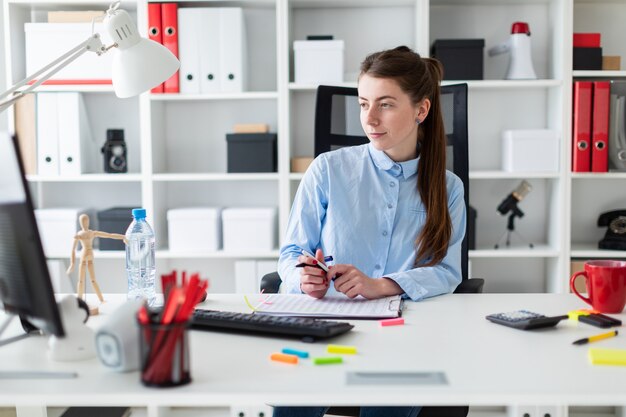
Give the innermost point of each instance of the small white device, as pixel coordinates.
(521, 63)
(117, 341)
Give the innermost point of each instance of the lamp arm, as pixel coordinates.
(93, 44)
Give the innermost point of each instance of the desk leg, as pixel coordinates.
(37, 411)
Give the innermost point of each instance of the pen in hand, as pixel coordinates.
(319, 264)
(595, 338)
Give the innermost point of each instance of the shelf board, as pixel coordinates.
(76, 88)
(101, 4)
(296, 176)
(246, 95)
(539, 251)
(167, 254)
(261, 176)
(480, 175)
(471, 84)
(87, 178)
(590, 250)
(599, 175)
(348, 3)
(598, 74)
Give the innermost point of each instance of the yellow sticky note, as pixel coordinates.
(600, 356)
(346, 350)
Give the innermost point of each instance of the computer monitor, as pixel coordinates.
(25, 285)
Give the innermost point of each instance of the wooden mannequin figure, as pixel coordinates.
(86, 237)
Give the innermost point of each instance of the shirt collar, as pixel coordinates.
(382, 161)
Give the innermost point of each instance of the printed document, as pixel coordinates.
(335, 306)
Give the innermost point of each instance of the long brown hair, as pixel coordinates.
(420, 78)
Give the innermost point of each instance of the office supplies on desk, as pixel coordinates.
(606, 281)
(524, 319)
(336, 306)
(278, 326)
(594, 319)
(327, 360)
(595, 338)
(345, 350)
(598, 356)
(298, 353)
(392, 322)
(284, 357)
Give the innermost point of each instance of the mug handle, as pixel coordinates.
(571, 285)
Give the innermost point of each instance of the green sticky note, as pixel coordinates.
(327, 360)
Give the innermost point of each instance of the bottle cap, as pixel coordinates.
(139, 213)
(520, 27)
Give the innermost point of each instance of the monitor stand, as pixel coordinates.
(77, 343)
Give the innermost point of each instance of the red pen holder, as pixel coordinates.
(164, 350)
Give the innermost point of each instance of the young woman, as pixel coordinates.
(389, 213)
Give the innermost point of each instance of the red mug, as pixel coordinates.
(606, 285)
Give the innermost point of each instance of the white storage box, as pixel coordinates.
(530, 150)
(318, 62)
(194, 229)
(57, 228)
(249, 229)
(45, 42)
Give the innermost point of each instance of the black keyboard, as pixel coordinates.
(308, 329)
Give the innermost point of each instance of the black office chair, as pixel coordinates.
(337, 124)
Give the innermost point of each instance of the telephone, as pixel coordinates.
(615, 236)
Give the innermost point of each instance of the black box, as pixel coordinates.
(462, 59)
(587, 58)
(251, 152)
(114, 220)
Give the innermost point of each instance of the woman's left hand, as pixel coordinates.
(352, 282)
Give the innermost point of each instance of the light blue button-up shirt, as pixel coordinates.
(361, 207)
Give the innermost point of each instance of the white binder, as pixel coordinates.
(47, 135)
(77, 151)
(232, 50)
(209, 49)
(189, 44)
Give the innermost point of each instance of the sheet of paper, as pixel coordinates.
(329, 306)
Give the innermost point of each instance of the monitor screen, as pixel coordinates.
(25, 285)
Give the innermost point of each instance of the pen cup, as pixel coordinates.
(164, 350)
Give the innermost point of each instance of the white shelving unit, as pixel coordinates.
(177, 147)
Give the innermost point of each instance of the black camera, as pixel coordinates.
(114, 151)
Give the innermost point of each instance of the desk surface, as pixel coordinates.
(484, 363)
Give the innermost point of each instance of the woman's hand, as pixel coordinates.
(313, 279)
(352, 282)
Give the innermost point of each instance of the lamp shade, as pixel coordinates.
(139, 64)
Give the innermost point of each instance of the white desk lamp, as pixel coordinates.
(138, 65)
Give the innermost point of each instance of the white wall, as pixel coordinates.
(3, 117)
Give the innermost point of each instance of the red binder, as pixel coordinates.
(600, 127)
(169, 20)
(154, 32)
(581, 140)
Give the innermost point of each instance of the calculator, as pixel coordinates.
(524, 319)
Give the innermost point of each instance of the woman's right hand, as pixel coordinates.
(313, 279)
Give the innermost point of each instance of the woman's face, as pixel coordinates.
(389, 118)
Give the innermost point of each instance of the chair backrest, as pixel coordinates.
(337, 124)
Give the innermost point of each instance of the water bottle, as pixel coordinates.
(140, 264)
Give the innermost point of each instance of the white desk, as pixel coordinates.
(484, 363)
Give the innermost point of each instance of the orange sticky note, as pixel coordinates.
(283, 357)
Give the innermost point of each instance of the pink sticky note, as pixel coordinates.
(392, 322)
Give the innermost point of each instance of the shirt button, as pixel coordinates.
(392, 184)
(389, 205)
(385, 233)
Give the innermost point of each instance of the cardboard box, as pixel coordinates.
(318, 62)
(462, 59)
(300, 164)
(530, 150)
(577, 266)
(57, 228)
(611, 63)
(45, 42)
(251, 152)
(114, 220)
(194, 229)
(248, 229)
